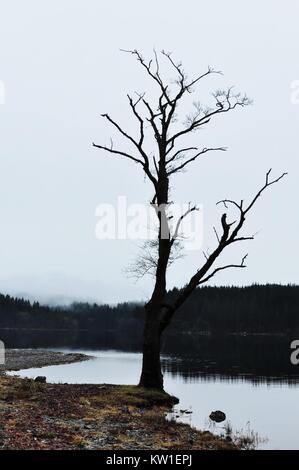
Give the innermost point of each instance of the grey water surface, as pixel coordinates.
(265, 406)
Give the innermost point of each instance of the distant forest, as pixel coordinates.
(252, 309)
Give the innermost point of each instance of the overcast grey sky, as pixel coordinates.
(61, 67)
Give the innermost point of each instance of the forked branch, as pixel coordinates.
(229, 235)
(179, 223)
(192, 159)
(228, 266)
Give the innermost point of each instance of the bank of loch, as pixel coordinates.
(37, 415)
(17, 359)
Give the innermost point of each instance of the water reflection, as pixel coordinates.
(266, 410)
(205, 373)
(257, 359)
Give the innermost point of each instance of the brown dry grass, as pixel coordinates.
(61, 416)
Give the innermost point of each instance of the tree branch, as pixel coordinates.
(178, 152)
(118, 152)
(223, 105)
(138, 145)
(244, 211)
(266, 185)
(141, 122)
(192, 159)
(228, 237)
(147, 67)
(241, 265)
(126, 135)
(179, 222)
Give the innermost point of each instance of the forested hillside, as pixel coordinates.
(253, 309)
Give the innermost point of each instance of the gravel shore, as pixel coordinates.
(17, 359)
(42, 416)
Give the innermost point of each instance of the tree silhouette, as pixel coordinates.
(170, 158)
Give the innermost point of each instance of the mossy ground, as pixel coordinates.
(63, 416)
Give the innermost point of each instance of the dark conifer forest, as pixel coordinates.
(271, 309)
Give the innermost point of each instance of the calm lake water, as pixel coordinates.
(258, 391)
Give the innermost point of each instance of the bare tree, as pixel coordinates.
(170, 158)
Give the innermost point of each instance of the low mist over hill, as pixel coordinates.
(252, 309)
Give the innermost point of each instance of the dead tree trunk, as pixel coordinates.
(151, 374)
(159, 167)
